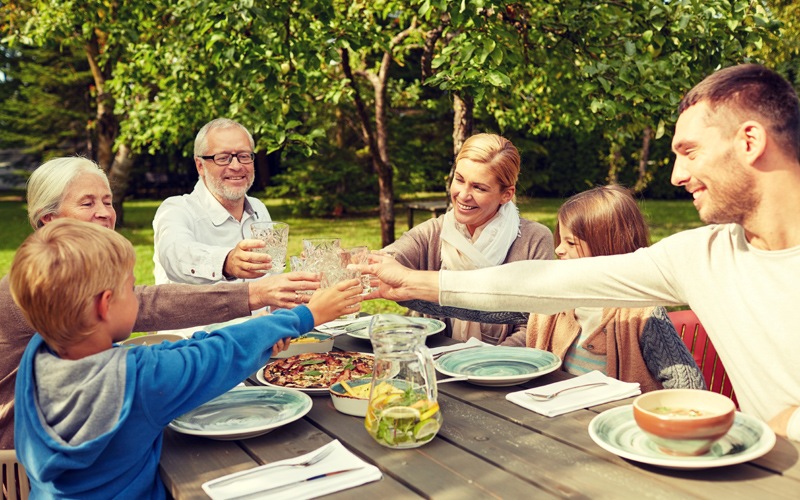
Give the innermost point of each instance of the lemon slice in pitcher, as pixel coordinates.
(400, 412)
(426, 429)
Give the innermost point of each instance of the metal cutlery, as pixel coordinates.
(440, 354)
(309, 461)
(548, 397)
(322, 455)
(276, 489)
(452, 379)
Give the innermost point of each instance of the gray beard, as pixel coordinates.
(218, 188)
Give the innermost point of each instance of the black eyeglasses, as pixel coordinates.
(223, 159)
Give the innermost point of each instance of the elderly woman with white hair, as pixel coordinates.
(77, 188)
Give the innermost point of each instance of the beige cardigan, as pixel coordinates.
(617, 338)
(421, 248)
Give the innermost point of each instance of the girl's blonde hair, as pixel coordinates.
(59, 271)
(49, 182)
(606, 218)
(497, 153)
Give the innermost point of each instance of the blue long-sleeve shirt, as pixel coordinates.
(92, 428)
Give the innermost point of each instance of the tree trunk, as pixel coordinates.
(463, 121)
(377, 139)
(614, 162)
(119, 177)
(261, 170)
(385, 202)
(644, 156)
(107, 129)
(383, 167)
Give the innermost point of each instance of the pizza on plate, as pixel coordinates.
(318, 370)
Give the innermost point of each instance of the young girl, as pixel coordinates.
(633, 345)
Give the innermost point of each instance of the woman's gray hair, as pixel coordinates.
(201, 141)
(48, 184)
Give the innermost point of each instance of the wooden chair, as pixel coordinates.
(15, 481)
(696, 339)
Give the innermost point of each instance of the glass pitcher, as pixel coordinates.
(403, 411)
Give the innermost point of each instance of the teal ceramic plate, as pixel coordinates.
(360, 329)
(497, 365)
(616, 431)
(243, 413)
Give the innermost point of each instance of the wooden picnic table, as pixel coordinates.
(487, 447)
(436, 208)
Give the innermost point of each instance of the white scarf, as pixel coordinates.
(459, 252)
(490, 248)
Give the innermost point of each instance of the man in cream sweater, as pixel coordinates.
(737, 144)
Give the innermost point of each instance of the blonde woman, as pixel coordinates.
(482, 229)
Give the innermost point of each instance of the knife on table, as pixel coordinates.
(276, 489)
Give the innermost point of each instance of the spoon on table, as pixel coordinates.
(548, 397)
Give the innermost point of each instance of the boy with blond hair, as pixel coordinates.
(89, 414)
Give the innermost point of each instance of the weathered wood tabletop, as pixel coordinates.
(487, 447)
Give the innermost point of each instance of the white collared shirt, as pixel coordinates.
(193, 234)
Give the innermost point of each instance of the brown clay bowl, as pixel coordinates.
(684, 422)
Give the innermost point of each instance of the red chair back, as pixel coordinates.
(696, 339)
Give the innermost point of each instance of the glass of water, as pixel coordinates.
(276, 237)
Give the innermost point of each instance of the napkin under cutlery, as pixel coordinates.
(579, 398)
(472, 342)
(338, 471)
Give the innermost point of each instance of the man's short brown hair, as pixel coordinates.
(751, 92)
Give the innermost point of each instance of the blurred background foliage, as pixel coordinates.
(336, 92)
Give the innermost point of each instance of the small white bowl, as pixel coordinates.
(324, 343)
(153, 339)
(348, 404)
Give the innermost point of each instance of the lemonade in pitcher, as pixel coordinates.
(403, 411)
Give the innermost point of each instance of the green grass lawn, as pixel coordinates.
(665, 218)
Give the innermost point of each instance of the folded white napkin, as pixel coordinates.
(279, 482)
(578, 398)
(472, 342)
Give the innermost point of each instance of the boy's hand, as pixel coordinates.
(327, 304)
(280, 346)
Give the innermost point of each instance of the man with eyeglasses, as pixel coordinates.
(204, 237)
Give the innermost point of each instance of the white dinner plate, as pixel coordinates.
(360, 329)
(616, 431)
(313, 391)
(498, 366)
(244, 412)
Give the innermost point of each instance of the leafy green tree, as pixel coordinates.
(270, 68)
(617, 66)
(101, 31)
(783, 51)
(45, 101)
